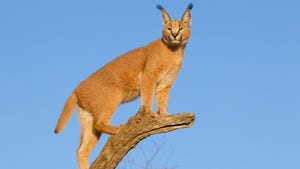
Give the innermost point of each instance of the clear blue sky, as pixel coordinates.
(240, 76)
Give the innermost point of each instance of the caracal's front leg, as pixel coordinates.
(147, 92)
(162, 96)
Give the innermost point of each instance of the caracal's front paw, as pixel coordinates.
(163, 113)
(153, 114)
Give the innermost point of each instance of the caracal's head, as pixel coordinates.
(176, 32)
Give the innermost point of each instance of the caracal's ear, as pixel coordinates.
(166, 16)
(187, 17)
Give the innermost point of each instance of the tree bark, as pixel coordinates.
(136, 129)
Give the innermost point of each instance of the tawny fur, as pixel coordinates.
(146, 71)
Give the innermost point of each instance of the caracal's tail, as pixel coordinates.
(66, 113)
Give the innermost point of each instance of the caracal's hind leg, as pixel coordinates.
(88, 140)
(104, 111)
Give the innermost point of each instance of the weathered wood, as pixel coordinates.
(136, 129)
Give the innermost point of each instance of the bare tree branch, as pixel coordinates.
(136, 129)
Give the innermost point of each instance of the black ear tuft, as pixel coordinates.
(160, 7)
(190, 6)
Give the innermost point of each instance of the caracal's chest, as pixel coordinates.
(170, 71)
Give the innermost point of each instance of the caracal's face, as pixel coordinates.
(176, 32)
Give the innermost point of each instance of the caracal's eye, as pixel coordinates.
(169, 29)
(180, 28)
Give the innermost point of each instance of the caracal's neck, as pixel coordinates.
(177, 50)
